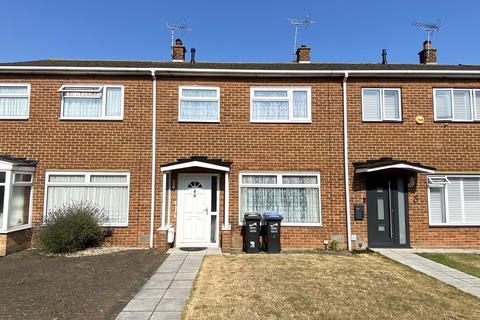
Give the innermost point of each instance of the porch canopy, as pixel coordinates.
(195, 162)
(383, 164)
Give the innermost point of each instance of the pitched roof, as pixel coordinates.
(314, 66)
(390, 163)
(18, 161)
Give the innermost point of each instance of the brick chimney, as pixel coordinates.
(178, 51)
(428, 55)
(303, 54)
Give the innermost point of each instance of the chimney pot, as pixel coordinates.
(192, 55)
(428, 55)
(384, 56)
(303, 54)
(178, 51)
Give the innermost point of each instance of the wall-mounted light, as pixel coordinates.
(412, 182)
(172, 186)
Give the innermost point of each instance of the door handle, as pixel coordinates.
(206, 210)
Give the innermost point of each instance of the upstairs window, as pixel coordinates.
(381, 105)
(14, 101)
(456, 104)
(92, 102)
(280, 105)
(199, 104)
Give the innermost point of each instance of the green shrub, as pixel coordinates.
(72, 228)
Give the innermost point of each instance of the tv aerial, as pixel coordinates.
(174, 27)
(430, 28)
(306, 21)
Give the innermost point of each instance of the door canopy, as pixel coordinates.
(197, 162)
(383, 164)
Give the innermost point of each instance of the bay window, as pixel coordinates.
(108, 191)
(280, 105)
(454, 200)
(294, 195)
(92, 102)
(14, 101)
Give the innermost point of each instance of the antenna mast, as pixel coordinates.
(430, 28)
(297, 23)
(173, 27)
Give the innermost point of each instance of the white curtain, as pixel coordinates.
(66, 178)
(82, 107)
(114, 102)
(270, 110)
(300, 104)
(477, 105)
(13, 90)
(391, 107)
(270, 93)
(462, 105)
(113, 200)
(108, 179)
(443, 104)
(297, 205)
(13, 106)
(199, 110)
(371, 105)
(19, 206)
(299, 180)
(259, 179)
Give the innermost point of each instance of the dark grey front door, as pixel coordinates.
(387, 211)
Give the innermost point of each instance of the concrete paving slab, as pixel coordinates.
(170, 305)
(186, 276)
(177, 293)
(147, 293)
(166, 315)
(146, 304)
(185, 284)
(127, 315)
(155, 283)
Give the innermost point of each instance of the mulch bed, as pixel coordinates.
(33, 286)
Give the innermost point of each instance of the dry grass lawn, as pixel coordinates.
(319, 286)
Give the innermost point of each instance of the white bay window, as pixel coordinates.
(107, 191)
(280, 105)
(294, 195)
(92, 102)
(454, 200)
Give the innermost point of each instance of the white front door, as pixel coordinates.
(193, 223)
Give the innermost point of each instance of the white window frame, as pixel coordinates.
(473, 101)
(182, 98)
(87, 183)
(9, 184)
(382, 106)
(444, 185)
(93, 89)
(288, 98)
(17, 95)
(280, 184)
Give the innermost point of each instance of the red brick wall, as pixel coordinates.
(447, 147)
(87, 145)
(264, 147)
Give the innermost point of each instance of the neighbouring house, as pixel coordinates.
(177, 152)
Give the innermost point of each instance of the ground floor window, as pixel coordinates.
(454, 200)
(295, 196)
(109, 191)
(15, 199)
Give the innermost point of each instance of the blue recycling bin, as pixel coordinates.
(271, 236)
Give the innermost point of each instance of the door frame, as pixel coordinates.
(179, 211)
(395, 216)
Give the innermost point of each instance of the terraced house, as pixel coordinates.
(175, 153)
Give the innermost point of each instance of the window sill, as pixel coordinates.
(456, 121)
(382, 121)
(115, 225)
(19, 228)
(450, 225)
(283, 122)
(14, 118)
(90, 119)
(198, 121)
(292, 224)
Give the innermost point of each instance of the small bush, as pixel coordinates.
(72, 228)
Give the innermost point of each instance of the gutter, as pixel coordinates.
(154, 154)
(237, 72)
(345, 161)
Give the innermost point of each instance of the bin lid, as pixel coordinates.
(252, 216)
(271, 215)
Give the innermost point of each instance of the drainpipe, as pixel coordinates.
(345, 159)
(154, 151)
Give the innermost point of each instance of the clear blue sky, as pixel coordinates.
(240, 31)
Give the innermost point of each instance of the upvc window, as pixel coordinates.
(199, 104)
(92, 102)
(454, 200)
(294, 195)
(14, 101)
(109, 191)
(15, 200)
(381, 104)
(457, 104)
(280, 105)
